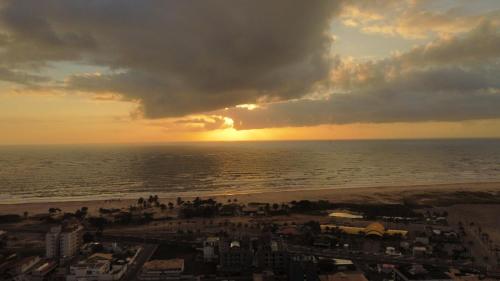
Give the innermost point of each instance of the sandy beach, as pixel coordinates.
(379, 194)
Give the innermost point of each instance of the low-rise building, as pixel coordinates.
(19, 270)
(417, 272)
(164, 270)
(374, 230)
(97, 267)
(344, 276)
(43, 270)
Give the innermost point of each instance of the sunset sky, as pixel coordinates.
(106, 71)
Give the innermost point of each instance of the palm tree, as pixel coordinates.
(140, 201)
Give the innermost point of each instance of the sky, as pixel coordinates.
(123, 71)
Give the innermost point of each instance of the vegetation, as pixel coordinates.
(10, 218)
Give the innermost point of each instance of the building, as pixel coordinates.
(97, 267)
(211, 249)
(52, 242)
(332, 265)
(235, 256)
(254, 209)
(420, 251)
(63, 242)
(417, 272)
(163, 270)
(43, 270)
(70, 241)
(391, 251)
(372, 230)
(303, 268)
(24, 265)
(272, 255)
(344, 276)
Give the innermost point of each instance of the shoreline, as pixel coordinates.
(375, 194)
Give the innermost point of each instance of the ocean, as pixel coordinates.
(74, 172)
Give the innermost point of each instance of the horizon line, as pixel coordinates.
(248, 141)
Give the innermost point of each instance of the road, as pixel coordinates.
(371, 257)
(145, 254)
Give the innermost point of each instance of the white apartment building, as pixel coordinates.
(52, 242)
(63, 243)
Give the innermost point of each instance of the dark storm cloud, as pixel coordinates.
(420, 96)
(450, 80)
(178, 57)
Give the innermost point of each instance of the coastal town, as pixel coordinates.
(205, 239)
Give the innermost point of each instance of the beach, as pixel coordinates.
(420, 194)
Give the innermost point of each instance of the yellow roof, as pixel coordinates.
(372, 229)
(375, 229)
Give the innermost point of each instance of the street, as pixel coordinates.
(145, 254)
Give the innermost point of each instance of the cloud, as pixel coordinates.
(195, 123)
(188, 58)
(20, 77)
(448, 80)
(177, 57)
(412, 19)
(479, 45)
(207, 122)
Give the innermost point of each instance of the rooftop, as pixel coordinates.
(172, 264)
(343, 276)
(420, 272)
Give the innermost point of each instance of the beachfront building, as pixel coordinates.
(70, 242)
(63, 242)
(52, 242)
